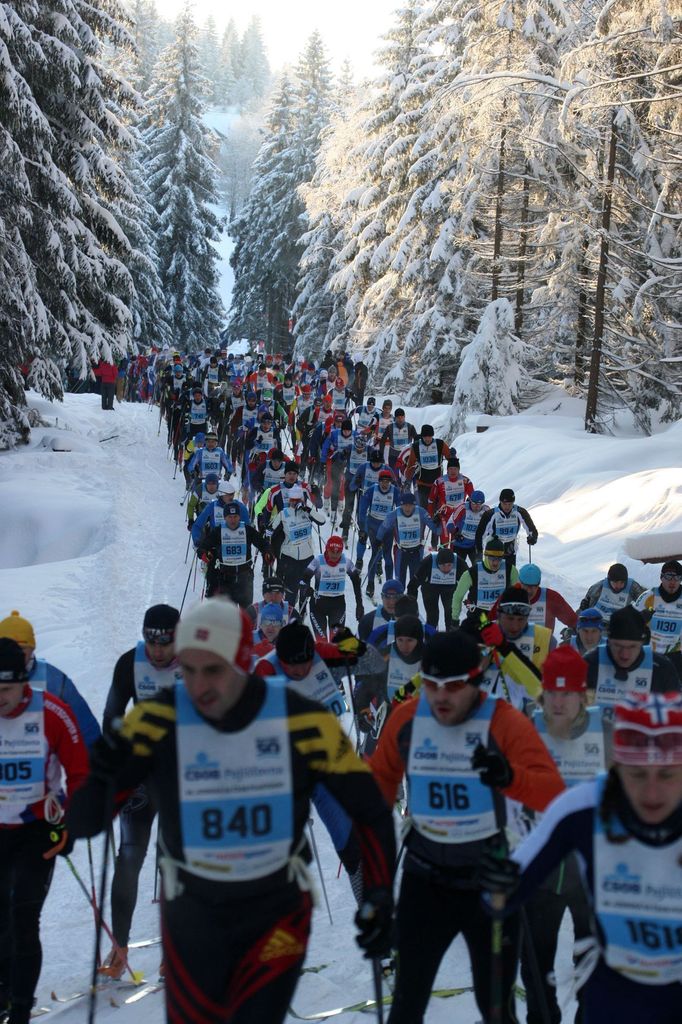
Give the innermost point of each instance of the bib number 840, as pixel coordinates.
(245, 821)
(448, 796)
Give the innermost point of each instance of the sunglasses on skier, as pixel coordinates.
(514, 608)
(451, 684)
(158, 636)
(670, 576)
(644, 747)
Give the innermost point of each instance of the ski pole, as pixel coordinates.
(188, 540)
(535, 971)
(378, 991)
(497, 901)
(156, 876)
(319, 868)
(93, 889)
(189, 576)
(530, 559)
(101, 923)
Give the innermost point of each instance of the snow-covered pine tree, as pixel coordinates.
(147, 33)
(77, 247)
(268, 231)
(318, 310)
(256, 279)
(181, 176)
(254, 70)
(632, 110)
(209, 58)
(490, 375)
(363, 271)
(228, 64)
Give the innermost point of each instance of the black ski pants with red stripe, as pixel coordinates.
(234, 962)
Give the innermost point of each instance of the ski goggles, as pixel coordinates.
(515, 608)
(671, 576)
(163, 637)
(451, 684)
(644, 746)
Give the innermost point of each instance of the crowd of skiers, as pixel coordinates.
(465, 717)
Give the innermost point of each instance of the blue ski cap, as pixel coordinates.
(272, 612)
(590, 618)
(211, 478)
(407, 498)
(477, 496)
(200, 436)
(392, 587)
(530, 575)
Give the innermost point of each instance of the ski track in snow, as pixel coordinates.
(94, 536)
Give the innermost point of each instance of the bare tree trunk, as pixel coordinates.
(497, 238)
(583, 298)
(523, 248)
(600, 295)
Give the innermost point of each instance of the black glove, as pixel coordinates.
(532, 539)
(59, 841)
(495, 770)
(374, 921)
(496, 872)
(190, 524)
(107, 755)
(362, 537)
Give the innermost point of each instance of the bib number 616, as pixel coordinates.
(448, 796)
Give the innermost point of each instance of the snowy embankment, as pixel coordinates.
(94, 533)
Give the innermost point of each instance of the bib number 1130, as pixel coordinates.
(448, 796)
(245, 821)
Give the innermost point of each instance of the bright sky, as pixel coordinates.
(350, 28)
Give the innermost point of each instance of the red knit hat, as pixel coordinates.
(564, 671)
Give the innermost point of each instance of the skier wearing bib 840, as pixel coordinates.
(235, 760)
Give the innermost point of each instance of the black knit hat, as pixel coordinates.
(514, 595)
(426, 430)
(628, 624)
(291, 467)
(160, 621)
(672, 566)
(507, 494)
(451, 654)
(295, 644)
(445, 556)
(406, 605)
(409, 625)
(12, 662)
(617, 573)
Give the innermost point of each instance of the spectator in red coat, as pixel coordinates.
(107, 373)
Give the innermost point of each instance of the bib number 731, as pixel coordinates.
(255, 820)
(450, 796)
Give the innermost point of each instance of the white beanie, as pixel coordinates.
(219, 626)
(294, 493)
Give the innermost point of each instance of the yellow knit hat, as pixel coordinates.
(18, 629)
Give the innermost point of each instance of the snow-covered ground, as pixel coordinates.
(93, 533)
